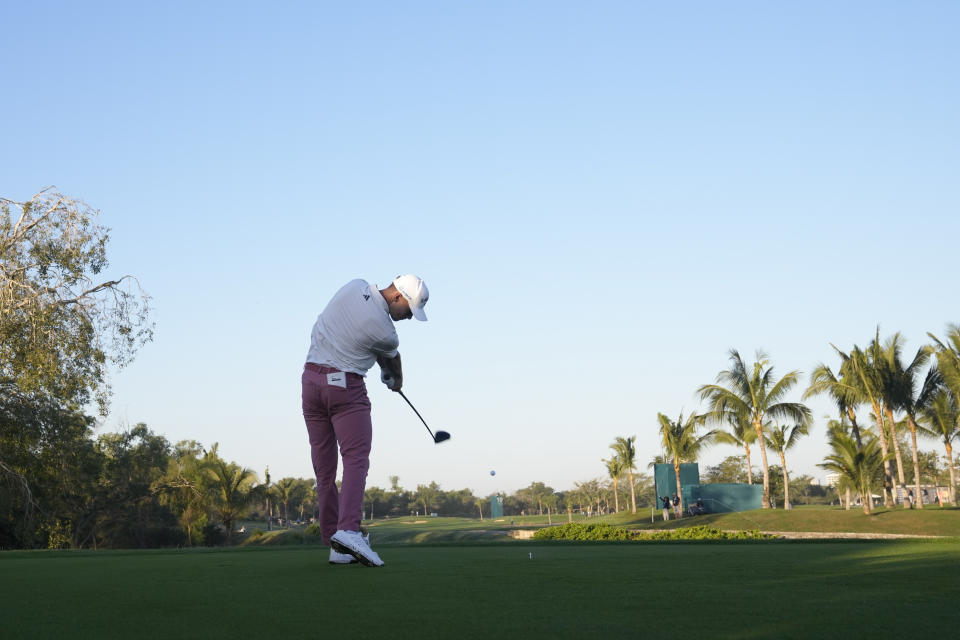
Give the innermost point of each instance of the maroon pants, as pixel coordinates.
(337, 416)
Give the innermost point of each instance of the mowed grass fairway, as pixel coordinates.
(931, 521)
(744, 590)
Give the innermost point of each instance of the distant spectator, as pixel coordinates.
(676, 507)
(666, 508)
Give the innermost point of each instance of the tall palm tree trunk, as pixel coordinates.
(856, 429)
(749, 470)
(866, 495)
(616, 496)
(865, 499)
(786, 481)
(849, 499)
(916, 462)
(896, 448)
(766, 470)
(887, 473)
(953, 481)
(633, 496)
(676, 470)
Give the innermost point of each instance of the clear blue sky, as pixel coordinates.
(603, 198)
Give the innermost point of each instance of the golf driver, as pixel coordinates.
(440, 436)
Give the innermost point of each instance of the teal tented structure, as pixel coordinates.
(722, 498)
(717, 498)
(665, 479)
(496, 507)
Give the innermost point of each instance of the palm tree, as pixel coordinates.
(858, 464)
(615, 469)
(948, 366)
(394, 484)
(681, 443)
(835, 428)
(284, 490)
(741, 434)
(780, 439)
(231, 490)
(627, 454)
(911, 401)
(655, 460)
(898, 386)
(948, 358)
(590, 493)
(373, 495)
(267, 489)
(427, 495)
(567, 502)
(754, 396)
(551, 501)
(843, 390)
(866, 379)
(537, 492)
(941, 413)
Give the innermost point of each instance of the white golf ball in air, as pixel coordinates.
(492, 472)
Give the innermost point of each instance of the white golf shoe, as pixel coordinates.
(355, 544)
(341, 558)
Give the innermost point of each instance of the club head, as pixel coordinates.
(441, 436)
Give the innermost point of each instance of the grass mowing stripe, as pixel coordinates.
(566, 591)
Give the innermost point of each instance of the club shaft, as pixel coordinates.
(418, 414)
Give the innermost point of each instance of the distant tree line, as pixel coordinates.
(884, 403)
(62, 322)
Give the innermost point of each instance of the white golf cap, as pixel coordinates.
(415, 291)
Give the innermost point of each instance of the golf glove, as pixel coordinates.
(387, 378)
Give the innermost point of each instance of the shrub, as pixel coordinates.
(213, 535)
(256, 534)
(702, 533)
(580, 531)
(313, 530)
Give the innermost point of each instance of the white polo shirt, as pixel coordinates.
(353, 330)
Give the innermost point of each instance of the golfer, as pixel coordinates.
(354, 331)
